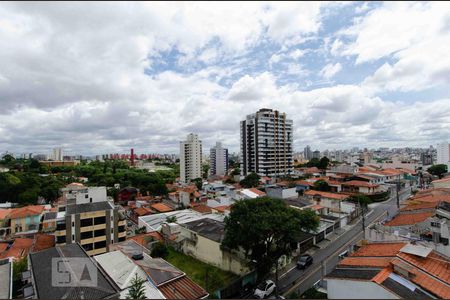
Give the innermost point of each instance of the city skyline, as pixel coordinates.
(167, 70)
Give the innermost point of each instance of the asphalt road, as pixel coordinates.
(326, 259)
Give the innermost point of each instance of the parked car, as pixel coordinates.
(264, 289)
(304, 261)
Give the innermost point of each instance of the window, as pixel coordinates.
(436, 224)
(60, 239)
(100, 232)
(86, 235)
(99, 220)
(86, 196)
(88, 247)
(61, 226)
(121, 239)
(86, 222)
(121, 228)
(99, 245)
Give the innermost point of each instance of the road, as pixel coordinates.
(326, 259)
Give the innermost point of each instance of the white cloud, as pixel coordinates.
(411, 33)
(75, 72)
(296, 54)
(330, 70)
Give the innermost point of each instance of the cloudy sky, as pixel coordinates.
(103, 77)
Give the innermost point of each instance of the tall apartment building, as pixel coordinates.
(57, 154)
(443, 153)
(307, 153)
(266, 144)
(87, 217)
(190, 158)
(218, 160)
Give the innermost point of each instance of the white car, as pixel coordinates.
(264, 289)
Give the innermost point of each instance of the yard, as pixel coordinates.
(197, 270)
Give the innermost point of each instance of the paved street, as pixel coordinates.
(326, 259)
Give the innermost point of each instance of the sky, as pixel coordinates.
(98, 78)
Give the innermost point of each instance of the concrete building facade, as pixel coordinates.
(190, 158)
(266, 144)
(218, 160)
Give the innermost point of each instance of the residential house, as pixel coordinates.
(251, 193)
(281, 191)
(441, 183)
(202, 239)
(122, 270)
(41, 285)
(23, 220)
(326, 199)
(395, 270)
(170, 281)
(361, 187)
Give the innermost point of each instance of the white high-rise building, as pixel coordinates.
(443, 153)
(57, 154)
(218, 160)
(190, 158)
(266, 144)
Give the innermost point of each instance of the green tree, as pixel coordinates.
(205, 169)
(171, 219)
(265, 229)
(437, 170)
(322, 185)
(198, 182)
(362, 200)
(251, 180)
(323, 163)
(236, 171)
(314, 162)
(160, 250)
(137, 289)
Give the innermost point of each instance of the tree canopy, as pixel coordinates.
(322, 185)
(438, 170)
(266, 229)
(363, 200)
(137, 289)
(251, 180)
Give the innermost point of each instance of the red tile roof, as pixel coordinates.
(409, 219)
(326, 194)
(258, 192)
(19, 248)
(141, 238)
(419, 205)
(4, 213)
(378, 262)
(3, 247)
(182, 288)
(202, 209)
(142, 211)
(379, 249)
(22, 212)
(425, 280)
(445, 179)
(43, 241)
(161, 207)
(222, 208)
(360, 183)
(382, 275)
(434, 264)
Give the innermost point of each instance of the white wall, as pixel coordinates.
(98, 194)
(352, 289)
